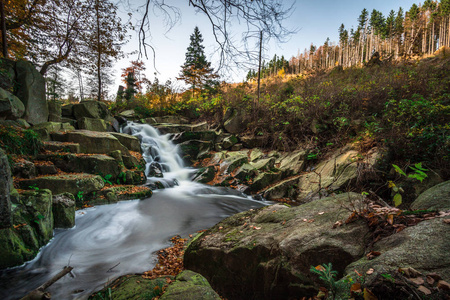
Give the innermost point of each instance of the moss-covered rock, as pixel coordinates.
(195, 149)
(6, 186)
(92, 124)
(10, 106)
(70, 183)
(423, 247)
(190, 286)
(61, 147)
(63, 208)
(35, 209)
(131, 142)
(13, 250)
(132, 287)
(262, 181)
(119, 193)
(90, 109)
(437, 197)
(92, 141)
(267, 253)
(229, 142)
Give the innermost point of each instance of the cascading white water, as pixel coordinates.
(112, 240)
(157, 148)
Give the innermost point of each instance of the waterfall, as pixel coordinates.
(163, 160)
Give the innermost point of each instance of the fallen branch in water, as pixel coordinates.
(40, 293)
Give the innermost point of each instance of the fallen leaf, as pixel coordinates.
(220, 228)
(355, 288)
(357, 273)
(257, 228)
(443, 285)
(390, 219)
(305, 220)
(321, 213)
(409, 272)
(320, 268)
(370, 271)
(424, 290)
(373, 254)
(430, 280)
(417, 281)
(368, 295)
(284, 222)
(447, 221)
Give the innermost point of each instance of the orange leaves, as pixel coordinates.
(170, 260)
(373, 254)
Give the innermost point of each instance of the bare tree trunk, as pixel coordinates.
(259, 71)
(99, 53)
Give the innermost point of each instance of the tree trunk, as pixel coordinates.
(99, 52)
(3, 25)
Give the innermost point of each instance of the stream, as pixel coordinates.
(112, 240)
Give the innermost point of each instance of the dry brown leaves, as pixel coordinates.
(170, 260)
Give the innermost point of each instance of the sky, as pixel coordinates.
(313, 20)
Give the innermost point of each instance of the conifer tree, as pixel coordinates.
(196, 70)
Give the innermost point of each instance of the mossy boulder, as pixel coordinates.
(6, 187)
(291, 163)
(205, 175)
(61, 147)
(10, 106)
(423, 247)
(120, 193)
(283, 189)
(195, 149)
(92, 141)
(437, 197)
(229, 142)
(31, 92)
(54, 111)
(131, 142)
(90, 109)
(63, 207)
(180, 128)
(13, 250)
(233, 160)
(70, 183)
(92, 124)
(189, 285)
(235, 121)
(262, 181)
(208, 136)
(35, 209)
(267, 253)
(99, 164)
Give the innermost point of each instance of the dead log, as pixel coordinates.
(40, 293)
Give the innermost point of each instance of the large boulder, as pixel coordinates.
(92, 141)
(423, 247)
(129, 141)
(76, 184)
(267, 253)
(13, 250)
(35, 209)
(180, 128)
(64, 210)
(189, 285)
(54, 111)
(31, 92)
(437, 197)
(235, 121)
(10, 106)
(92, 124)
(6, 186)
(195, 149)
(90, 109)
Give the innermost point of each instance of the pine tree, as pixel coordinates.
(196, 70)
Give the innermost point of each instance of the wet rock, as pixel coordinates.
(284, 189)
(63, 207)
(35, 209)
(61, 147)
(131, 142)
(229, 142)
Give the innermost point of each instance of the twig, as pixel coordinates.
(39, 293)
(110, 269)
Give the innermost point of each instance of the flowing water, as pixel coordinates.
(112, 240)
